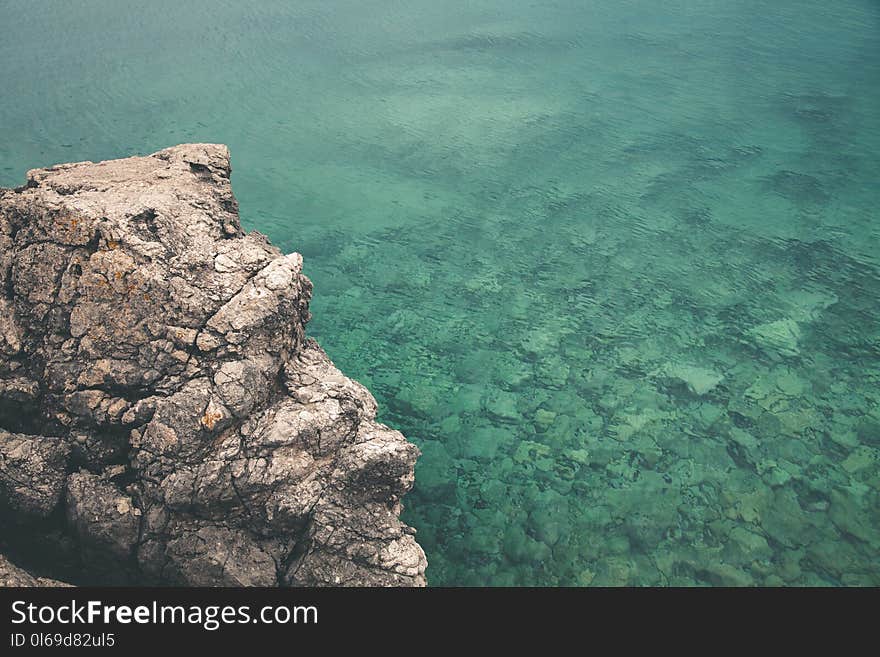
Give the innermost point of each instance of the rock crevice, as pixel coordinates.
(163, 417)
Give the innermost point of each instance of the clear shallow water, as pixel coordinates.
(613, 265)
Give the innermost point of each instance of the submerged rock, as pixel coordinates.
(160, 403)
(698, 380)
(779, 338)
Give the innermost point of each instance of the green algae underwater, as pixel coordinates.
(613, 265)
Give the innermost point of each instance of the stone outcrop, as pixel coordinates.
(163, 417)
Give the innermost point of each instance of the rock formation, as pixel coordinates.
(163, 417)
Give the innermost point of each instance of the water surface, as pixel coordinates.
(612, 264)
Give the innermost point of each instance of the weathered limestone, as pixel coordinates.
(159, 398)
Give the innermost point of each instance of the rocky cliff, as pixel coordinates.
(163, 417)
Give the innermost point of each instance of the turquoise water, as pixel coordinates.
(613, 265)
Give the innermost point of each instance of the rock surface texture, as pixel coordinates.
(163, 417)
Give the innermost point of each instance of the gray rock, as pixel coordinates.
(32, 472)
(200, 436)
(106, 522)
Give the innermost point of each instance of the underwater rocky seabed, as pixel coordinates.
(612, 267)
